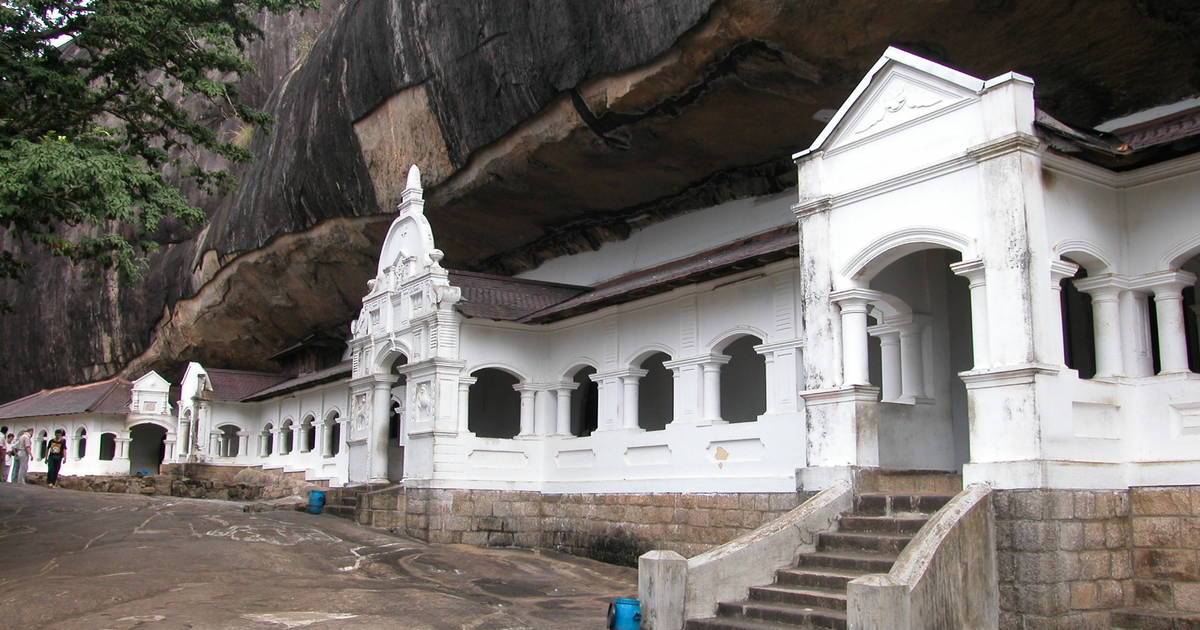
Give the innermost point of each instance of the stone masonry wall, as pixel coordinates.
(1064, 558)
(1166, 548)
(611, 527)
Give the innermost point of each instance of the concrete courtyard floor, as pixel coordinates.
(82, 561)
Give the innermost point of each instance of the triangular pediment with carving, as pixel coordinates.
(900, 91)
(900, 98)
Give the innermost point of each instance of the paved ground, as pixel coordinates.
(75, 560)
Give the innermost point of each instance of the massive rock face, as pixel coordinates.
(543, 128)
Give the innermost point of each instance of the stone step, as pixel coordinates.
(810, 597)
(887, 524)
(864, 541)
(873, 504)
(845, 560)
(777, 612)
(820, 578)
(740, 623)
(1153, 620)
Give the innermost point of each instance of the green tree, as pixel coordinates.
(99, 124)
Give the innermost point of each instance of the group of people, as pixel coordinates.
(17, 450)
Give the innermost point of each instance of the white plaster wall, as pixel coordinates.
(685, 323)
(677, 238)
(1080, 211)
(1162, 217)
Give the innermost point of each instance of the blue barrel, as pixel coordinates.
(316, 501)
(625, 614)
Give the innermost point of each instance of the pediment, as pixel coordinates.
(897, 99)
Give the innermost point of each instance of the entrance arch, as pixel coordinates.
(147, 446)
(917, 355)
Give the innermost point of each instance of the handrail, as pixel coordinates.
(945, 579)
(672, 589)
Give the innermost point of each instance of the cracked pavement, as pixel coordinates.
(77, 560)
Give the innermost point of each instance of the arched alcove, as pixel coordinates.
(584, 402)
(656, 393)
(743, 381)
(308, 432)
(493, 406)
(1079, 341)
(108, 447)
(268, 439)
(80, 443)
(228, 441)
(333, 433)
(147, 446)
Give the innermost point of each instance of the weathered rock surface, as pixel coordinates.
(543, 128)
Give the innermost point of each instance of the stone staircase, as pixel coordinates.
(812, 594)
(375, 504)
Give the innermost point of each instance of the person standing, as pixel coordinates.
(24, 448)
(56, 454)
(5, 458)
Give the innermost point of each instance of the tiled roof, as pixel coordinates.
(110, 397)
(507, 299)
(1128, 148)
(235, 385)
(334, 373)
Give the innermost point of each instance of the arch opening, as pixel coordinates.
(108, 446)
(308, 434)
(1078, 330)
(915, 359)
(656, 393)
(268, 439)
(227, 442)
(585, 402)
(334, 434)
(743, 381)
(147, 446)
(80, 443)
(493, 406)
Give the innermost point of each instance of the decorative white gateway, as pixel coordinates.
(905, 309)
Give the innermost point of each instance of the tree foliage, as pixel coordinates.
(98, 121)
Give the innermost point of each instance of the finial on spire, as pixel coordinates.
(414, 178)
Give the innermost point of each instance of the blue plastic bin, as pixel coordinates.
(625, 614)
(316, 501)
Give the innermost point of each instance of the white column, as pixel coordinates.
(563, 417)
(609, 407)
(527, 409)
(973, 271)
(889, 358)
(630, 381)
(1168, 305)
(281, 441)
(214, 443)
(1106, 322)
(912, 362)
(168, 450)
(122, 448)
(1059, 270)
(381, 411)
(323, 435)
(185, 437)
(711, 384)
(1136, 343)
(854, 337)
(243, 443)
(772, 386)
(464, 404)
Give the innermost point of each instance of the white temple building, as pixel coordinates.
(959, 283)
(950, 288)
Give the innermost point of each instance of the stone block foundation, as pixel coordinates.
(614, 528)
(1068, 558)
